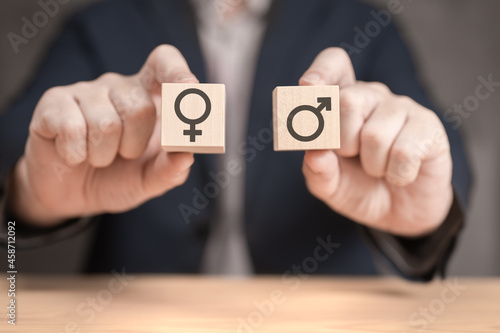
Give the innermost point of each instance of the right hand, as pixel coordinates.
(94, 147)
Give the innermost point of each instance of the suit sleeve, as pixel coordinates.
(69, 60)
(415, 258)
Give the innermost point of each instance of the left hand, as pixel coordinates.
(393, 170)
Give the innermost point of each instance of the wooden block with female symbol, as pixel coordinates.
(193, 118)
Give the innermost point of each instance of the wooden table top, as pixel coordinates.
(165, 303)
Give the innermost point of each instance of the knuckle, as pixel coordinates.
(72, 129)
(406, 104)
(138, 95)
(350, 101)
(405, 100)
(54, 93)
(380, 87)
(371, 137)
(42, 120)
(110, 77)
(122, 107)
(33, 126)
(402, 154)
(142, 112)
(121, 102)
(82, 86)
(431, 118)
(110, 125)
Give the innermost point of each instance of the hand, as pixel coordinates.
(94, 147)
(393, 170)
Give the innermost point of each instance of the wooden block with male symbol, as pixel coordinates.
(306, 118)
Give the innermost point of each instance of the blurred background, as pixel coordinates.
(454, 42)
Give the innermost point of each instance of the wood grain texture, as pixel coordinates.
(265, 304)
(306, 118)
(187, 124)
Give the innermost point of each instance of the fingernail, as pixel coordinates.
(313, 78)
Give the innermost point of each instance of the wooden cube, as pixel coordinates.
(306, 118)
(193, 118)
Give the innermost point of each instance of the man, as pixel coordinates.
(93, 148)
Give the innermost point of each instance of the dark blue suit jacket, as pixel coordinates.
(282, 219)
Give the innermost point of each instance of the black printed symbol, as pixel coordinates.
(192, 132)
(324, 103)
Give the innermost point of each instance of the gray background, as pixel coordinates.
(453, 43)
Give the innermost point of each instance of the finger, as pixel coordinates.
(58, 117)
(322, 173)
(331, 67)
(357, 103)
(165, 64)
(420, 140)
(379, 133)
(136, 106)
(103, 124)
(138, 115)
(342, 184)
(166, 171)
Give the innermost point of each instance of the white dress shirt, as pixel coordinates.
(230, 37)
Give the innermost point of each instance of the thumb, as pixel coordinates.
(331, 66)
(322, 172)
(165, 171)
(165, 64)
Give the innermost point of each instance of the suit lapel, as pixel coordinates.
(281, 62)
(174, 23)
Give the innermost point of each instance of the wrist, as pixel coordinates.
(24, 204)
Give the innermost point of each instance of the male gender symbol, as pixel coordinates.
(325, 103)
(192, 132)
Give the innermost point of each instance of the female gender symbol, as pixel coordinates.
(192, 131)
